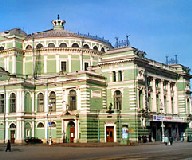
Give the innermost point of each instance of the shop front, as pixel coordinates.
(167, 126)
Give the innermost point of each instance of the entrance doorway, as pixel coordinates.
(109, 133)
(12, 132)
(71, 127)
(12, 136)
(154, 133)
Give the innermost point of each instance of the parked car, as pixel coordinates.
(33, 140)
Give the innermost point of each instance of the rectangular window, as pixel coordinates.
(114, 76)
(63, 66)
(86, 65)
(120, 75)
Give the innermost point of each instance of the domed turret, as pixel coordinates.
(58, 24)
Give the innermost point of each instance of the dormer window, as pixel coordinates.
(75, 45)
(51, 45)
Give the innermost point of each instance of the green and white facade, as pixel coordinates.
(73, 88)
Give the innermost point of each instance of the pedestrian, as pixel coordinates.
(171, 140)
(8, 146)
(139, 138)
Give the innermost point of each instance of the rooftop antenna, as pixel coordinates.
(166, 59)
(127, 40)
(117, 41)
(58, 17)
(176, 61)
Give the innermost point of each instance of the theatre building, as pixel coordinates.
(70, 87)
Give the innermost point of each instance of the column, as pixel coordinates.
(46, 101)
(144, 92)
(76, 129)
(14, 64)
(18, 130)
(33, 127)
(79, 99)
(18, 102)
(33, 102)
(6, 119)
(46, 113)
(162, 104)
(46, 128)
(175, 100)
(81, 61)
(168, 98)
(154, 107)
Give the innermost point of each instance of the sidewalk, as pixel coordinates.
(91, 144)
(109, 144)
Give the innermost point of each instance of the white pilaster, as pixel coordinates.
(33, 102)
(175, 99)
(69, 60)
(45, 63)
(57, 63)
(14, 64)
(76, 129)
(19, 129)
(46, 101)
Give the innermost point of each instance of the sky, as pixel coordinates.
(158, 27)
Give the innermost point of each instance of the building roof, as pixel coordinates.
(59, 31)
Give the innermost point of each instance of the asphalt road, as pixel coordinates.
(178, 151)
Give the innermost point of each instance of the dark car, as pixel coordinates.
(33, 140)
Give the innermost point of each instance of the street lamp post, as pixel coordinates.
(162, 126)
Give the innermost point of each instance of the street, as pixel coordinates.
(178, 151)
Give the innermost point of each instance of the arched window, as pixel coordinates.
(53, 124)
(75, 45)
(86, 46)
(12, 103)
(1, 48)
(29, 47)
(52, 101)
(118, 100)
(40, 125)
(51, 45)
(2, 103)
(39, 46)
(102, 49)
(72, 100)
(40, 102)
(95, 48)
(63, 45)
(12, 125)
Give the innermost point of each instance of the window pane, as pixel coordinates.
(72, 100)
(1, 103)
(86, 65)
(118, 100)
(40, 103)
(52, 101)
(63, 66)
(12, 103)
